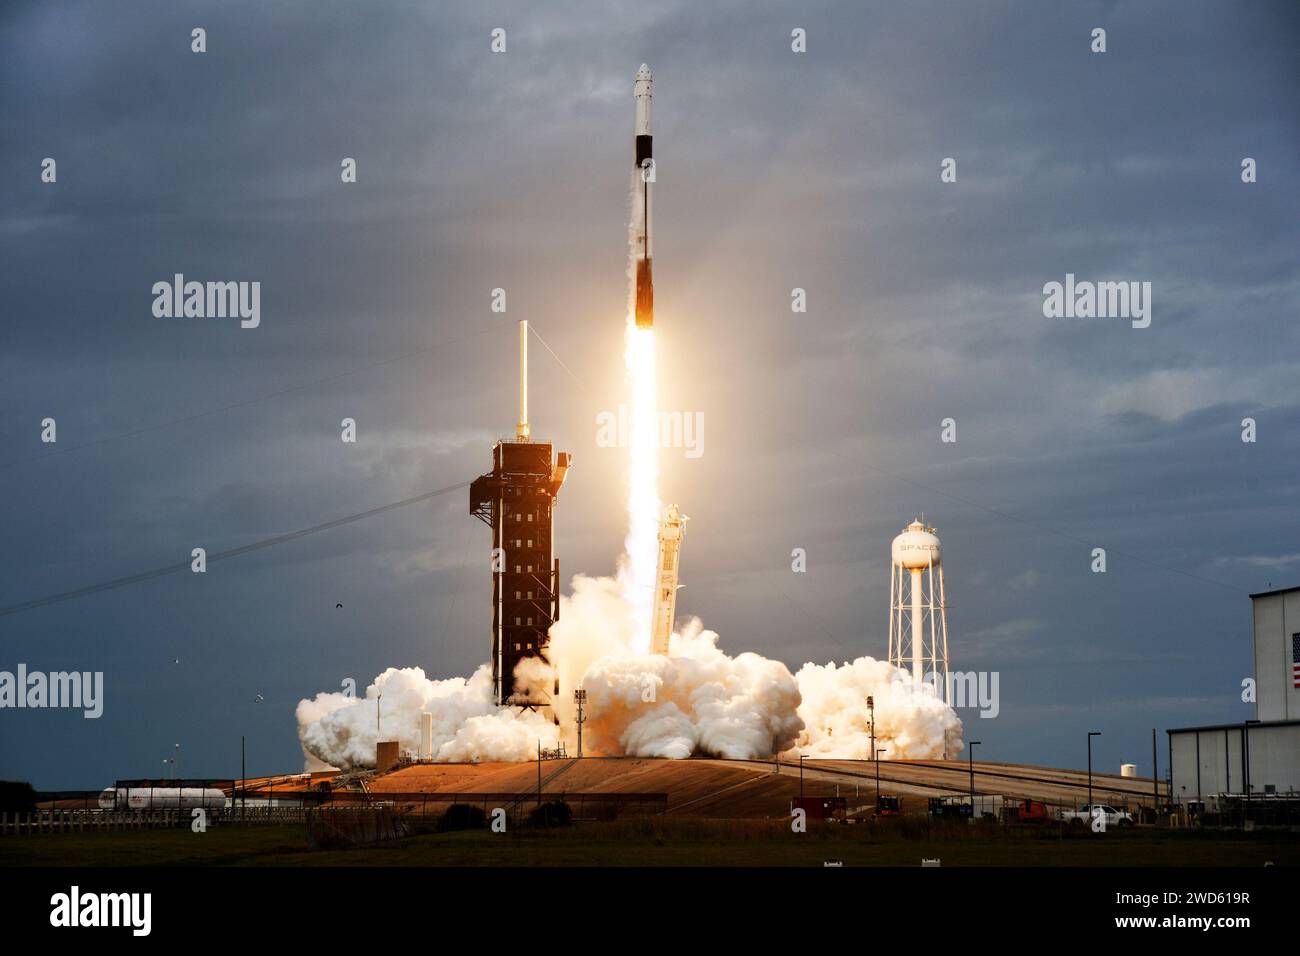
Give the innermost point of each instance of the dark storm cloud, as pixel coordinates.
(477, 171)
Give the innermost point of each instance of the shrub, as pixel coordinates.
(17, 796)
(462, 816)
(556, 813)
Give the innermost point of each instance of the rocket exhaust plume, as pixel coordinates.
(691, 698)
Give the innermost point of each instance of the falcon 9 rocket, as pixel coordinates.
(644, 177)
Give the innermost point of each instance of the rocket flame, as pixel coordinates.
(636, 573)
(637, 567)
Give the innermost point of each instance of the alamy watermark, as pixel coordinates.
(208, 300)
(56, 689)
(974, 689)
(127, 910)
(675, 429)
(1099, 300)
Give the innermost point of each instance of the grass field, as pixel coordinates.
(666, 842)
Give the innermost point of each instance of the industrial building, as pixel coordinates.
(1221, 765)
(1277, 654)
(516, 499)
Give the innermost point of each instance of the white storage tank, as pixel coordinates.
(162, 798)
(1128, 770)
(917, 547)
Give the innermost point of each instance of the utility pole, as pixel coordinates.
(1091, 734)
(243, 781)
(970, 753)
(539, 771)
(580, 698)
(1155, 780)
(1245, 772)
(378, 729)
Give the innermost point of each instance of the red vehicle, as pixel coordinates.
(1026, 811)
(821, 808)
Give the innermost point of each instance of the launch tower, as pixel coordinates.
(516, 499)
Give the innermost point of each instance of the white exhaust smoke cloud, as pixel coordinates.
(911, 723)
(341, 731)
(697, 701)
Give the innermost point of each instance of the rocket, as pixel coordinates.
(643, 176)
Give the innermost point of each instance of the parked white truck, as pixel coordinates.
(1086, 815)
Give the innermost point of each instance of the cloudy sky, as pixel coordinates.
(776, 170)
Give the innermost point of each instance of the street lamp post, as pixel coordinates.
(970, 754)
(801, 760)
(1091, 734)
(871, 706)
(876, 757)
(1245, 771)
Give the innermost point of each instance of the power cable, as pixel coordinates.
(221, 555)
(145, 429)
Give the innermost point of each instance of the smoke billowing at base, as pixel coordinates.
(697, 701)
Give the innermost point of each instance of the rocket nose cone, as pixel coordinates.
(644, 73)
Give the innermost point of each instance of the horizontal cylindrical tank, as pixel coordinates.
(916, 547)
(1128, 770)
(162, 798)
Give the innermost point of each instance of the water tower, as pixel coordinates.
(918, 620)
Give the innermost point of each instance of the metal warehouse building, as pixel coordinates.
(1261, 757)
